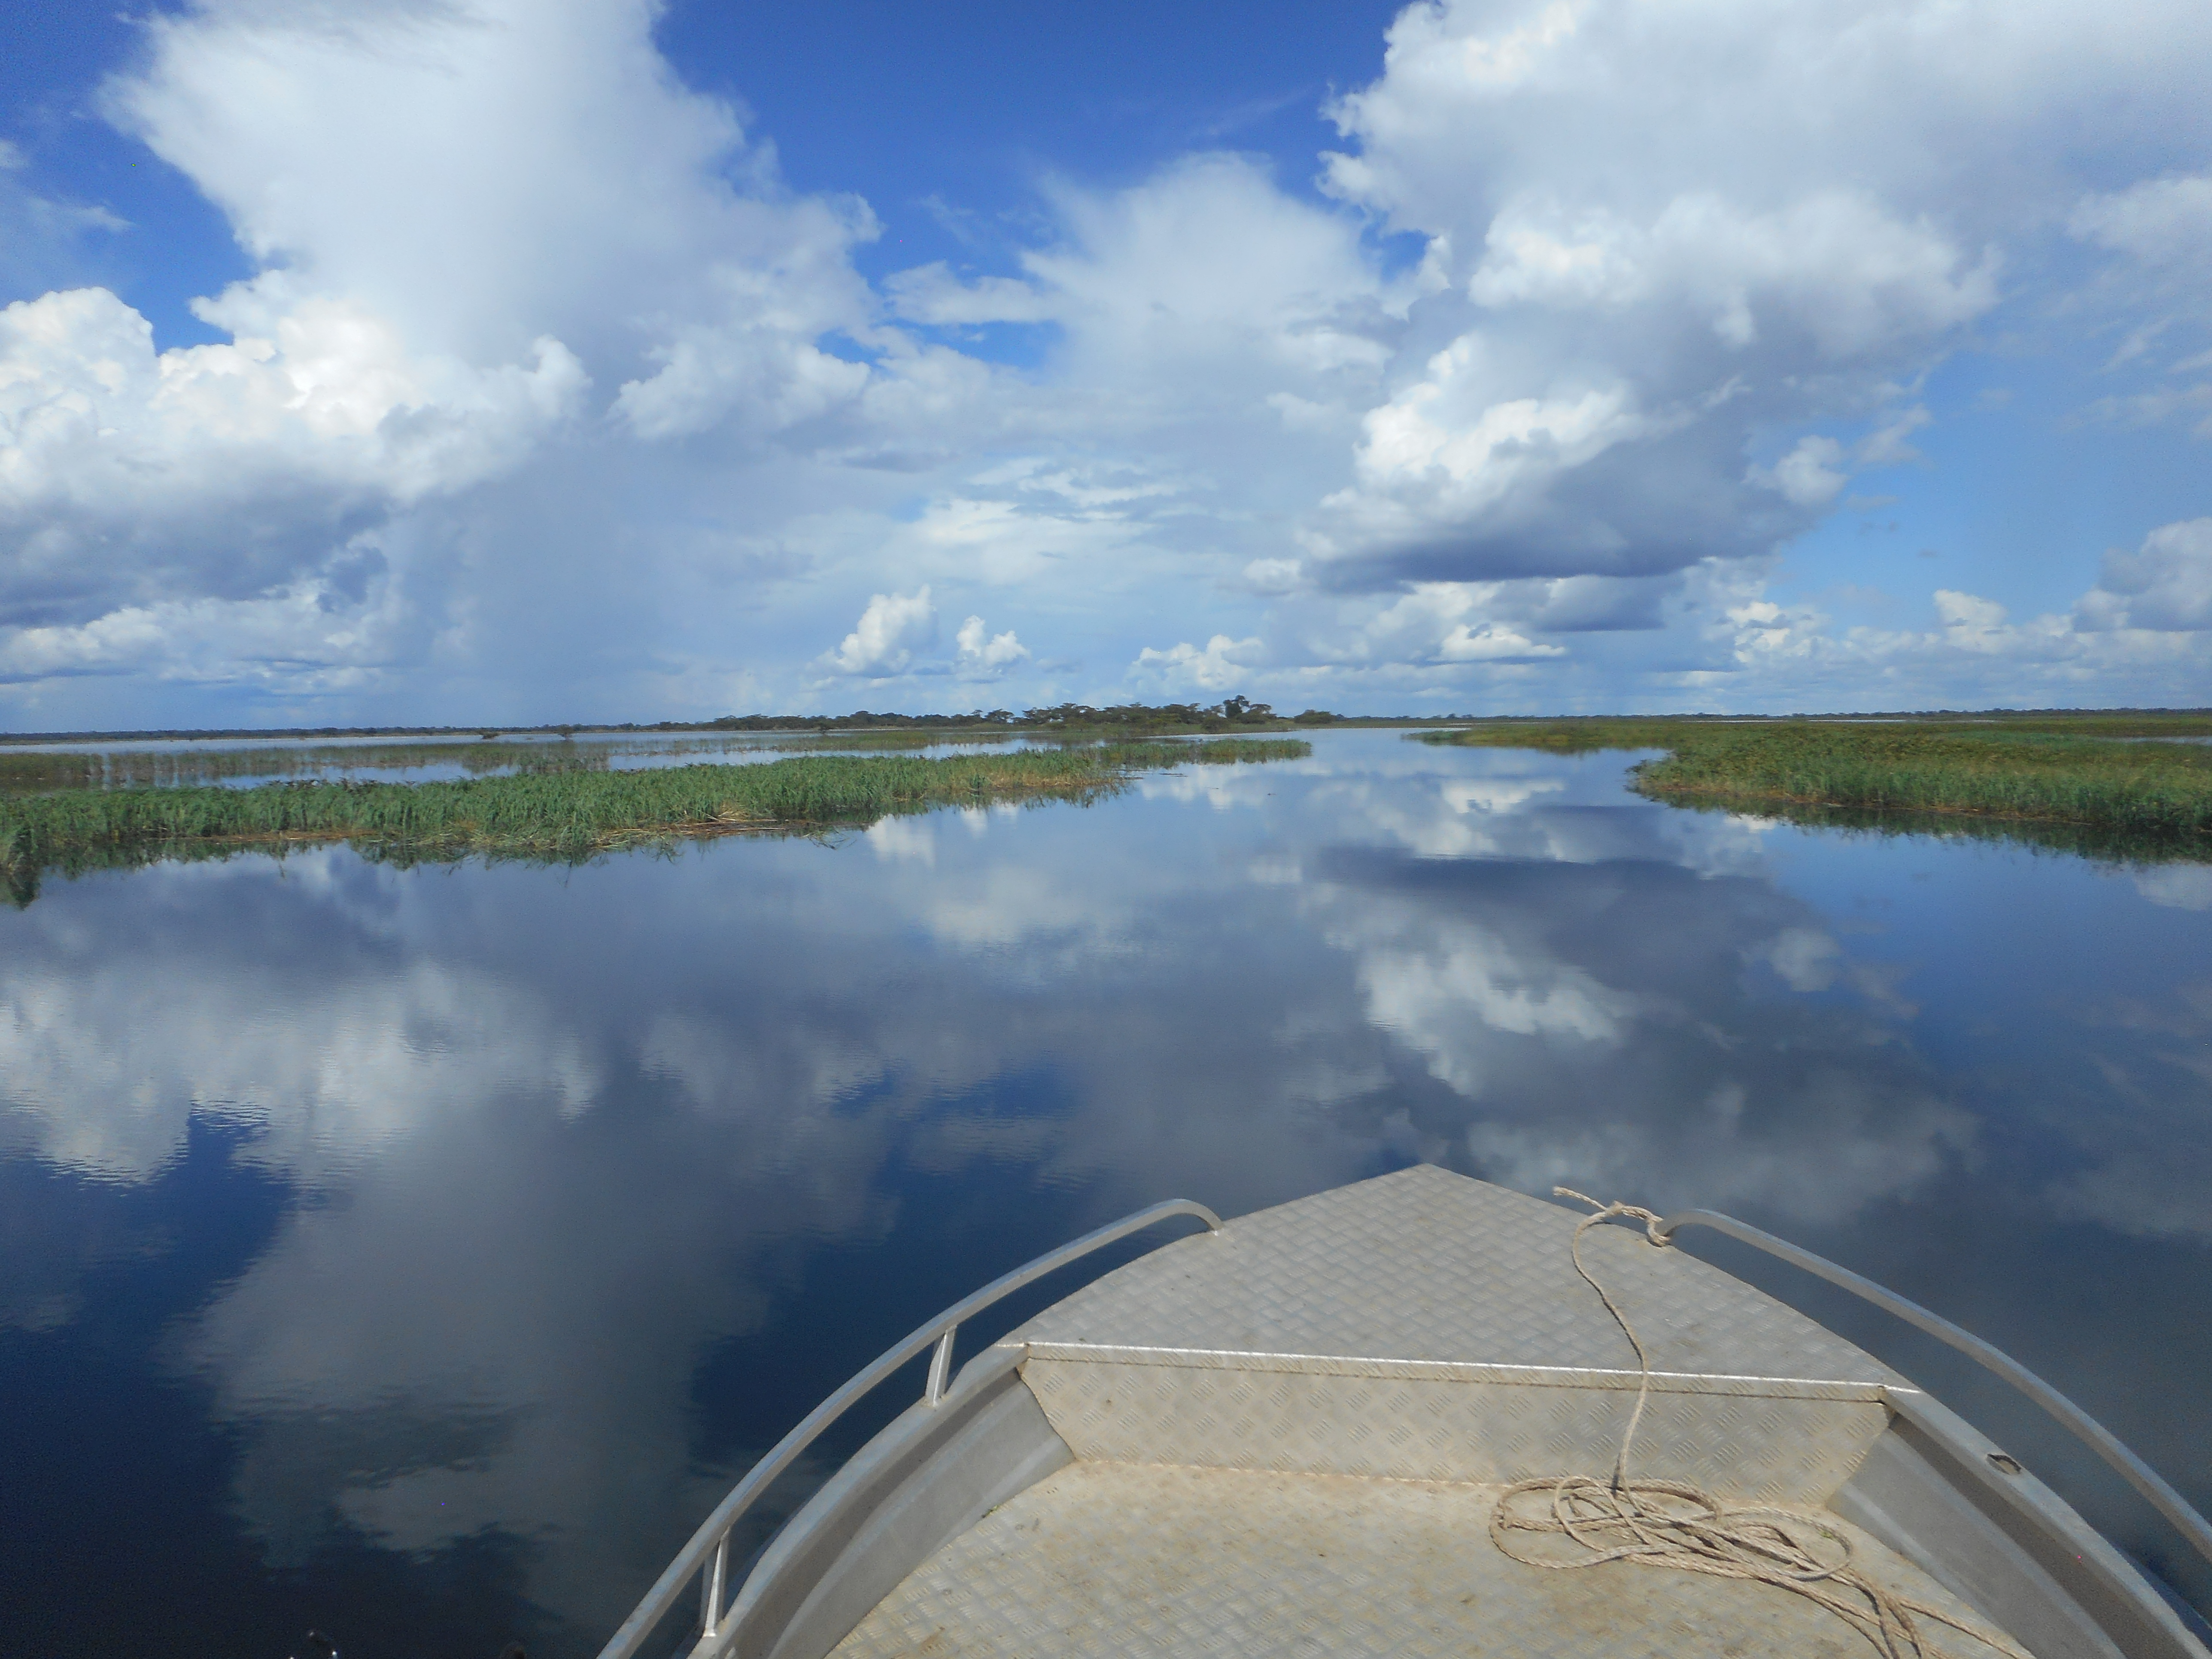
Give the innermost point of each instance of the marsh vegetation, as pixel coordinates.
(564, 814)
(2110, 784)
(32, 771)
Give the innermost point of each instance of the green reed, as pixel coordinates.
(2073, 782)
(564, 814)
(32, 771)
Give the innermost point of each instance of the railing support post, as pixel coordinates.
(712, 1583)
(940, 1367)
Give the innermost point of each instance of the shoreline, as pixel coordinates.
(2084, 779)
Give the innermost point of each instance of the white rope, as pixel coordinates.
(1669, 1523)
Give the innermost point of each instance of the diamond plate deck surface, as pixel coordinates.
(1111, 1558)
(1426, 1327)
(1412, 1428)
(1425, 1265)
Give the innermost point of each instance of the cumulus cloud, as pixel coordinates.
(1641, 290)
(1222, 665)
(2138, 637)
(891, 630)
(478, 173)
(222, 469)
(1448, 623)
(2166, 585)
(1597, 311)
(456, 209)
(983, 654)
(311, 635)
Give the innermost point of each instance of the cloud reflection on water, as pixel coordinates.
(557, 1140)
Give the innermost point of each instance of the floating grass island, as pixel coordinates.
(564, 815)
(2116, 784)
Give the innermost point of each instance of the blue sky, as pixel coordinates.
(459, 360)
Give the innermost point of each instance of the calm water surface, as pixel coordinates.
(417, 1255)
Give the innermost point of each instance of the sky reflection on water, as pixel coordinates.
(417, 1254)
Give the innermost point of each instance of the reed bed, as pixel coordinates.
(2135, 798)
(39, 771)
(44, 771)
(562, 815)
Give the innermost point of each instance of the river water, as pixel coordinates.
(417, 1255)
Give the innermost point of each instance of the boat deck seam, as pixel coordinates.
(1459, 1370)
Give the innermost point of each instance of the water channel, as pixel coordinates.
(415, 1256)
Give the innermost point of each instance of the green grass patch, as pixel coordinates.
(2101, 784)
(564, 815)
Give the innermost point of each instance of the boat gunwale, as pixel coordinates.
(2178, 1512)
(706, 1556)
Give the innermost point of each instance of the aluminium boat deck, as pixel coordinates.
(1130, 1558)
(1287, 1435)
(1426, 1327)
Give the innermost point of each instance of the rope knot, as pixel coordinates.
(1606, 1211)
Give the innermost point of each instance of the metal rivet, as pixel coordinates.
(2002, 1464)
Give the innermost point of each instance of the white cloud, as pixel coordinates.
(712, 371)
(2159, 221)
(1209, 260)
(2166, 585)
(903, 841)
(1490, 642)
(1689, 1087)
(1223, 664)
(305, 637)
(1671, 241)
(224, 469)
(1445, 622)
(456, 209)
(543, 363)
(2153, 295)
(1833, 265)
(479, 173)
(891, 630)
(396, 1053)
(2177, 886)
(1274, 575)
(2143, 635)
(1808, 476)
(932, 294)
(1890, 445)
(982, 654)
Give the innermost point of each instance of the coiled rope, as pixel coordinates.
(1669, 1523)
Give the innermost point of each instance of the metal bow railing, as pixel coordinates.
(2099, 1439)
(709, 1549)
